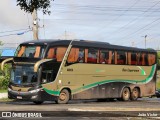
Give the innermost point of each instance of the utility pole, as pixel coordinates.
(132, 44)
(35, 25)
(65, 35)
(145, 38)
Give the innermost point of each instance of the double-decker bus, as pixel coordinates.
(61, 70)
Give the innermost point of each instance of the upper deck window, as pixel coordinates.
(30, 51)
(104, 56)
(56, 52)
(120, 58)
(92, 56)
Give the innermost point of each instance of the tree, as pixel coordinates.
(31, 5)
(1, 44)
(158, 60)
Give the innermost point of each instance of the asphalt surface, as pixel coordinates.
(3, 95)
(147, 108)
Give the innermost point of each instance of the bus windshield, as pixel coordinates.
(30, 51)
(23, 75)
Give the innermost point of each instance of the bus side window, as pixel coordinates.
(144, 62)
(146, 59)
(126, 56)
(81, 56)
(60, 53)
(129, 58)
(51, 53)
(73, 55)
(92, 56)
(37, 52)
(120, 58)
(104, 56)
(111, 57)
(139, 58)
(115, 56)
(21, 51)
(133, 58)
(151, 59)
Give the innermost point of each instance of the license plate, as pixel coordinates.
(19, 97)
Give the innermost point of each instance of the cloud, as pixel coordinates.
(13, 18)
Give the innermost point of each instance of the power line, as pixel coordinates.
(142, 28)
(14, 30)
(119, 15)
(103, 8)
(20, 33)
(136, 18)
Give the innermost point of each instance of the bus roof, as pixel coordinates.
(85, 43)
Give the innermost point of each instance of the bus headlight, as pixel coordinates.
(34, 97)
(34, 91)
(9, 89)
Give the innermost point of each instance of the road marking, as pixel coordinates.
(112, 109)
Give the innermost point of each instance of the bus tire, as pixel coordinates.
(125, 94)
(135, 94)
(38, 102)
(63, 97)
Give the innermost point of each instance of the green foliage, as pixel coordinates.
(1, 43)
(5, 77)
(3, 91)
(158, 86)
(158, 83)
(158, 59)
(158, 64)
(158, 54)
(30, 5)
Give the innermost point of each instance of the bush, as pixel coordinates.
(5, 77)
(4, 83)
(158, 60)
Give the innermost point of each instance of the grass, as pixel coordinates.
(158, 85)
(158, 80)
(3, 91)
(6, 100)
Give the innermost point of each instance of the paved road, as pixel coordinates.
(144, 107)
(3, 95)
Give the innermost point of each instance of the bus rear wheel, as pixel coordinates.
(135, 94)
(63, 97)
(125, 94)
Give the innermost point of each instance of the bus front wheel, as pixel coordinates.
(135, 94)
(63, 97)
(125, 94)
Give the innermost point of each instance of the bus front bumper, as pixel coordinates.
(34, 95)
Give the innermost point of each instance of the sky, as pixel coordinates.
(120, 22)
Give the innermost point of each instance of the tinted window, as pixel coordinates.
(56, 52)
(30, 51)
(92, 56)
(104, 56)
(151, 59)
(133, 58)
(81, 55)
(121, 57)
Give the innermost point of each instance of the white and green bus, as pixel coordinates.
(61, 70)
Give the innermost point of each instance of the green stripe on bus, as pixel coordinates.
(142, 70)
(52, 92)
(148, 79)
